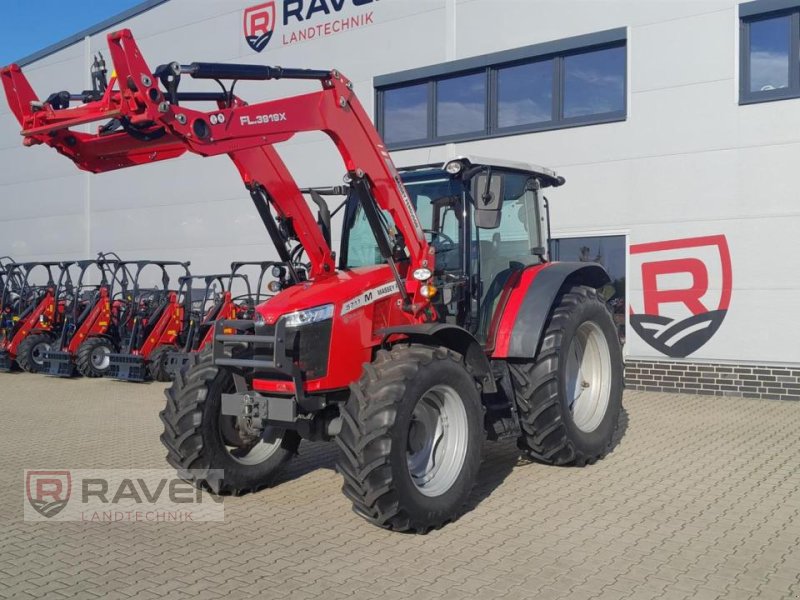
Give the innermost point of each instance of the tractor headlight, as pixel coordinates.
(309, 316)
(259, 319)
(308, 339)
(454, 167)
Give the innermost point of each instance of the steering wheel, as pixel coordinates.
(440, 241)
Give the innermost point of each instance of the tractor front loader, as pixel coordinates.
(151, 321)
(441, 321)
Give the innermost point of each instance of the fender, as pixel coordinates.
(454, 337)
(530, 299)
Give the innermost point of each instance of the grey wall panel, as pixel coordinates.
(60, 236)
(185, 180)
(661, 59)
(30, 200)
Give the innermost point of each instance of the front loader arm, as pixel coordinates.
(157, 126)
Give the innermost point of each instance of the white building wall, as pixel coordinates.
(688, 161)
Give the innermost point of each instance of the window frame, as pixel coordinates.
(746, 18)
(555, 51)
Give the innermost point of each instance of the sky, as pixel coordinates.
(27, 26)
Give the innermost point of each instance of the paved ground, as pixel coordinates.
(700, 499)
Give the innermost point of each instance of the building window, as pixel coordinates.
(461, 105)
(525, 94)
(594, 83)
(578, 81)
(609, 251)
(770, 54)
(406, 114)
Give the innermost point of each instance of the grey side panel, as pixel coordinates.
(539, 300)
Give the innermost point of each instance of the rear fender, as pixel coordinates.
(454, 337)
(529, 304)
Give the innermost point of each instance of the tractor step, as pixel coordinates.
(175, 363)
(6, 362)
(58, 364)
(127, 367)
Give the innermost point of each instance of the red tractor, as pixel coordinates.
(440, 323)
(32, 313)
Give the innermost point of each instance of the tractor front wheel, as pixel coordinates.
(30, 352)
(411, 438)
(570, 396)
(209, 449)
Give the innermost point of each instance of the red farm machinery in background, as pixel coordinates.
(32, 309)
(89, 318)
(224, 296)
(153, 319)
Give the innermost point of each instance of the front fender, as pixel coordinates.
(454, 337)
(531, 300)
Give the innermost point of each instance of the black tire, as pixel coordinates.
(375, 436)
(30, 352)
(194, 437)
(549, 430)
(157, 365)
(92, 347)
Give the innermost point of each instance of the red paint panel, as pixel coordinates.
(517, 289)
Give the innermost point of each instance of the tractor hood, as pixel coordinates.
(346, 290)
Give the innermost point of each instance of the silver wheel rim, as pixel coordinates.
(101, 358)
(37, 353)
(588, 376)
(437, 440)
(258, 452)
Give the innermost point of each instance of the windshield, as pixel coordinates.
(438, 202)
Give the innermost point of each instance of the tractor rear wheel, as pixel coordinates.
(157, 365)
(207, 448)
(411, 438)
(94, 357)
(30, 352)
(569, 398)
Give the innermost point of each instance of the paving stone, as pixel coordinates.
(700, 498)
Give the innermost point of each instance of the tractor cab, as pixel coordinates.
(485, 221)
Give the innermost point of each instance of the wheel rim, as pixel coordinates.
(37, 353)
(588, 377)
(437, 440)
(258, 452)
(101, 358)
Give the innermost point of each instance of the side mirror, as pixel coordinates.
(487, 191)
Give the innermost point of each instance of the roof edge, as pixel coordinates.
(77, 37)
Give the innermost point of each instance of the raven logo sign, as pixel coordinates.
(686, 291)
(259, 24)
(48, 491)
